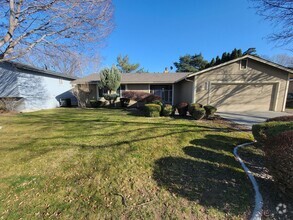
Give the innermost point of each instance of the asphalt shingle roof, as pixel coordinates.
(26, 67)
(138, 78)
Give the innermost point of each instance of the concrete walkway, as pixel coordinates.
(250, 118)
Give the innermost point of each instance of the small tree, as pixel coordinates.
(125, 66)
(110, 79)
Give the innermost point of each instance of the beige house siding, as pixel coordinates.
(87, 92)
(254, 88)
(138, 87)
(183, 91)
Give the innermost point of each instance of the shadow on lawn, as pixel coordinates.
(211, 177)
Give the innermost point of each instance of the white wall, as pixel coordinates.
(42, 92)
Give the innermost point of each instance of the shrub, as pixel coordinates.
(198, 113)
(279, 158)
(193, 106)
(182, 108)
(111, 97)
(158, 102)
(94, 103)
(9, 103)
(140, 96)
(101, 103)
(210, 110)
(269, 129)
(152, 98)
(152, 110)
(282, 118)
(167, 110)
(124, 102)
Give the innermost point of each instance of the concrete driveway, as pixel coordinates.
(250, 118)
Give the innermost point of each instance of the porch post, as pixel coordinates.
(97, 88)
(194, 89)
(173, 93)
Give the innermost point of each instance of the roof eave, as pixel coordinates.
(241, 58)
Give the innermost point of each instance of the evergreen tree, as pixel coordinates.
(218, 60)
(212, 63)
(125, 67)
(234, 54)
(110, 79)
(250, 51)
(228, 57)
(239, 53)
(224, 57)
(189, 63)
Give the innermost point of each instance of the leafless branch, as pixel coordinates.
(280, 14)
(75, 24)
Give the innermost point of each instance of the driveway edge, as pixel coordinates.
(257, 212)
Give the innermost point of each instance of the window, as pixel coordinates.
(243, 64)
(102, 91)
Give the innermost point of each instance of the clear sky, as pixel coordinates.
(155, 33)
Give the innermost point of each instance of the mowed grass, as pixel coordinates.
(107, 163)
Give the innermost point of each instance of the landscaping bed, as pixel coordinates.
(110, 163)
(275, 202)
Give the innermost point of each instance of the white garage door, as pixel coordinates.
(242, 97)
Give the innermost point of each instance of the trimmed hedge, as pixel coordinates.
(152, 110)
(198, 113)
(282, 118)
(279, 158)
(262, 131)
(167, 110)
(210, 111)
(157, 102)
(182, 108)
(111, 98)
(193, 106)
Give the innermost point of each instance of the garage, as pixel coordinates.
(248, 83)
(241, 96)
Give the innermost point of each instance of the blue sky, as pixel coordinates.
(155, 33)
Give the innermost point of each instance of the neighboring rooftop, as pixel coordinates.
(138, 78)
(26, 67)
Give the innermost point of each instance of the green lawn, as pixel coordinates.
(107, 163)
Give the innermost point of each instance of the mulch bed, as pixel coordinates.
(276, 204)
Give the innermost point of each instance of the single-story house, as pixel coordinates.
(248, 83)
(33, 88)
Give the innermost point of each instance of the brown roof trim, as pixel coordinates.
(139, 78)
(241, 58)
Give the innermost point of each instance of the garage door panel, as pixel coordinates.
(242, 97)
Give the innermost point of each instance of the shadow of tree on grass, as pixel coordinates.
(210, 177)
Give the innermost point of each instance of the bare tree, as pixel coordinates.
(65, 62)
(59, 24)
(280, 14)
(282, 59)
